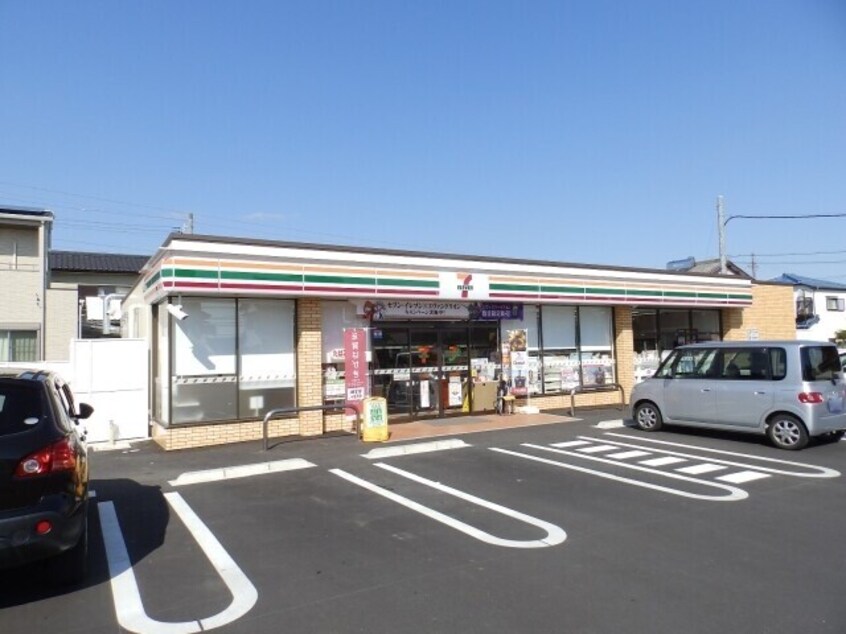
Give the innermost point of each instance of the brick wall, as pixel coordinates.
(221, 433)
(309, 358)
(772, 315)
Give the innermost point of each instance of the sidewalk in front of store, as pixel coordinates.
(437, 427)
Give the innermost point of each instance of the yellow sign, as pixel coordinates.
(374, 423)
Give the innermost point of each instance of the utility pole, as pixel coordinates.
(721, 226)
(189, 229)
(754, 267)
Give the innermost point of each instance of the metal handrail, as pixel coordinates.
(598, 388)
(307, 408)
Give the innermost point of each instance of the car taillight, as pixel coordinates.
(810, 397)
(60, 456)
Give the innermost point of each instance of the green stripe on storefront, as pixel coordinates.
(685, 294)
(388, 281)
(604, 291)
(340, 279)
(263, 277)
(637, 293)
(563, 289)
(520, 288)
(152, 280)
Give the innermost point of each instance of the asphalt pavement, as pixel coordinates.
(568, 526)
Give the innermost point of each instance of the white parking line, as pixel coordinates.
(571, 443)
(662, 462)
(625, 455)
(734, 493)
(240, 471)
(127, 599)
(554, 534)
(814, 471)
(699, 469)
(597, 448)
(743, 476)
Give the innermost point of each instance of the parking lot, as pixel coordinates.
(577, 526)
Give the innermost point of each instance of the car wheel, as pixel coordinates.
(787, 432)
(70, 567)
(647, 417)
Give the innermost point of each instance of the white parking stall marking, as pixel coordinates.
(571, 443)
(699, 469)
(554, 534)
(127, 598)
(625, 455)
(597, 448)
(743, 476)
(662, 462)
(734, 493)
(813, 471)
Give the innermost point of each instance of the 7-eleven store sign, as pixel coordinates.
(463, 285)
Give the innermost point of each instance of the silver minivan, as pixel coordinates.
(788, 390)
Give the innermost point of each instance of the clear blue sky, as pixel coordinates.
(591, 132)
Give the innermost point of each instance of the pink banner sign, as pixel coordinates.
(355, 365)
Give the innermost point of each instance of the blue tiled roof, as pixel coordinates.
(801, 280)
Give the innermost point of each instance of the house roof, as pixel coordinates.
(32, 212)
(96, 262)
(801, 280)
(712, 267)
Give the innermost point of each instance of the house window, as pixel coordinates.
(837, 304)
(18, 345)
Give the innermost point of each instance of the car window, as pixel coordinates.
(745, 364)
(63, 415)
(21, 407)
(778, 363)
(820, 363)
(698, 363)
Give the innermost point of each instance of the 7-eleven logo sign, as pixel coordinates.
(463, 285)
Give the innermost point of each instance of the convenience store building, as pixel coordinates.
(237, 327)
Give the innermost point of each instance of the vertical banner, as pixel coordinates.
(519, 355)
(355, 366)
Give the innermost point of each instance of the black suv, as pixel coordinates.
(43, 474)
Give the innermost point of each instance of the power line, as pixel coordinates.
(101, 199)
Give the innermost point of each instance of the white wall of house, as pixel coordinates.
(112, 376)
(830, 307)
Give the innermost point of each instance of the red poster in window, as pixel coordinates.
(355, 365)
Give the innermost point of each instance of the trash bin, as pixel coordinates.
(374, 419)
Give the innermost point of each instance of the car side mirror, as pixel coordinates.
(85, 410)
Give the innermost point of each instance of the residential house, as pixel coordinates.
(48, 298)
(24, 242)
(820, 306)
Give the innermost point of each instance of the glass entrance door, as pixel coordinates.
(454, 371)
(425, 359)
(424, 370)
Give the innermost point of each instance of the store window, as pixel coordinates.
(267, 374)
(337, 316)
(205, 380)
(657, 331)
(647, 355)
(596, 339)
(162, 382)
(529, 323)
(18, 345)
(560, 352)
(228, 359)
